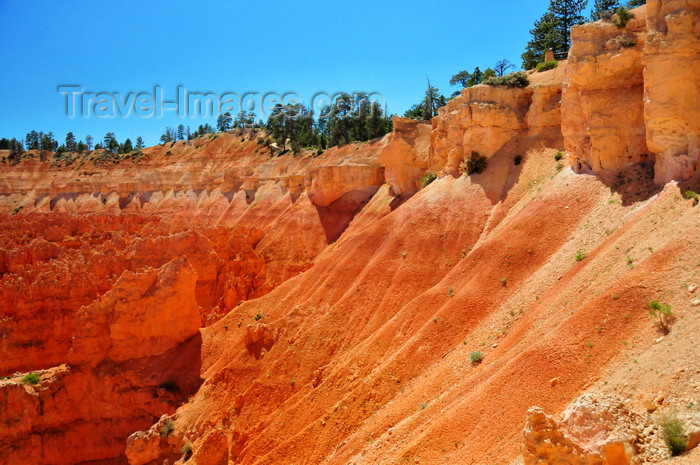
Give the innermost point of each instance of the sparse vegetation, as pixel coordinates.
(167, 429)
(580, 255)
(692, 195)
(476, 357)
(546, 66)
(673, 433)
(30, 378)
(517, 79)
(626, 40)
(622, 17)
(451, 292)
(475, 164)
(427, 178)
(258, 316)
(662, 313)
(186, 450)
(170, 386)
(559, 155)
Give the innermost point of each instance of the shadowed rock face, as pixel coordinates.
(135, 356)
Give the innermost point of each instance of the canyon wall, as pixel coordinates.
(210, 302)
(630, 93)
(109, 266)
(499, 120)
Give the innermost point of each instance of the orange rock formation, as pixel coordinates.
(208, 303)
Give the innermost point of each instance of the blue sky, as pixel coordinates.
(240, 46)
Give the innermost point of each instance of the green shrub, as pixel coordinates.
(623, 16)
(30, 378)
(258, 316)
(427, 178)
(476, 357)
(673, 433)
(517, 79)
(517, 160)
(580, 255)
(663, 312)
(559, 155)
(170, 386)
(475, 164)
(690, 195)
(186, 450)
(546, 66)
(167, 429)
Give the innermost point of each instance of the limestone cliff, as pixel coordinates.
(490, 120)
(630, 93)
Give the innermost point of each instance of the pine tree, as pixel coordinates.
(70, 142)
(88, 142)
(181, 132)
(110, 143)
(476, 78)
(462, 77)
(545, 35)
(169, 135)
(223, 122)
(432, 101)
(48, 143)
(601, 6)
(139, 143)
(567, 14)
(636, 3)
(33, 139)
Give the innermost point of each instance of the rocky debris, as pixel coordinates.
(160, 441)
(693, 432)
(260, 337)
(595, 429)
